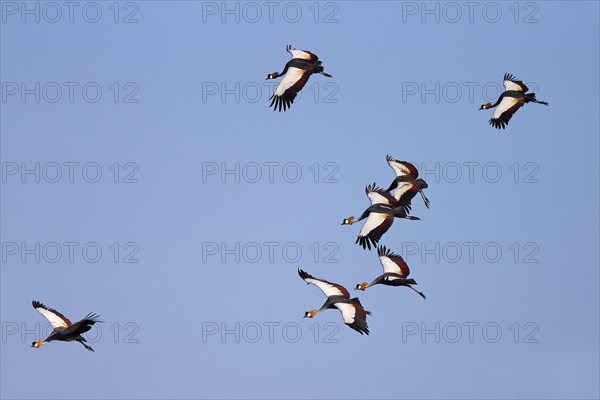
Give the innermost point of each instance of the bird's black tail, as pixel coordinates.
(530, 97)
(357, 301)
(318, 69)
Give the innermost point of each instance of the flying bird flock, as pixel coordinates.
(305, 63)
(395, 202)
(386, 205)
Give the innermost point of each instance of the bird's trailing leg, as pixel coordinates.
(420, 293)
(86, 346)
(425, 199)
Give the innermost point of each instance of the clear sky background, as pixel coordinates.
(183, 97)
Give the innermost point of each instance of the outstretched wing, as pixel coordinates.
(288, 88)
(402, 168)
(380, 196)
(405, 192)
(329, 288)
(392, 263)
(373, 229)
(354, 315)
(512, 83)
(504, 111)
(55, 318)
(84, 325)
(302, 54)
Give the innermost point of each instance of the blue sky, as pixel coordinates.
(166, 196)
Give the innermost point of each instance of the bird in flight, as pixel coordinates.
(406, 184)
(353, 313)
(514, 97)
(64, 330)
(297, 71)
(380, 216)
(395, 272)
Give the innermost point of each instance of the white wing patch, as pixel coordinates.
(505, 104)
(325, 287)
(373, 221)
(510, 85)
(389, 266)
(377, 198)
(398, 168)
(292, 76)
(402, 188)
(300, 54)
(348, 312)
(54, 319)
(393, 278)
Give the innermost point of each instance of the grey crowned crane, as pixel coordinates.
(514, 97)
(353, 313)
(406, 184)
(64, 330)
(395, 272)
(297, 71)
(380, 216)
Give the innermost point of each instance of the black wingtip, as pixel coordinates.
(304, 275)
(93, 318)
